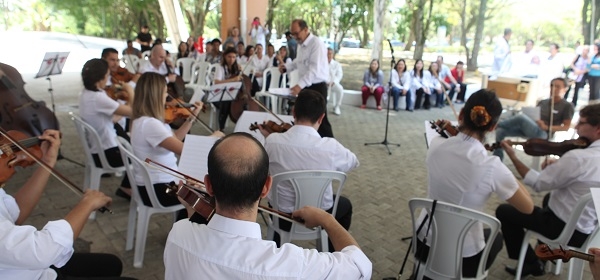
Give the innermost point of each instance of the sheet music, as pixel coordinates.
(194, 157)
(280, 91)
(250, 117)
(223, 92)
(196, 97)
(52, 64)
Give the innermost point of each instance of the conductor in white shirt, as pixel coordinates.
(313, 68)
(335, 77)
(502, 53)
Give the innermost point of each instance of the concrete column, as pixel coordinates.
(232, 15)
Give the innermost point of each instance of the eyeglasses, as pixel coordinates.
(295, 34)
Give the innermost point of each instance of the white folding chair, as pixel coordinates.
(132, 62)
(447, 235)
(89, 136)
(310, 187)
(139, 222)
(575, 265)
(146, 54)
(274, 82)
(186, 64)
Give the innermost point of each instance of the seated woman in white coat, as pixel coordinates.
(399, 81)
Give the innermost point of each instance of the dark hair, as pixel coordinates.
(107, 51)
(237, 180)
(591, 113)
(418, 73)
(215, 40)
(310, 106)
(481, 112)
(398, 63)
(129, 41)
(374, 73)
(235, 70)
(288, 34)
(507, 31)
(301, 23)
(439, 56)
(556, 46)
(460, 63)
(564, 82)
(248, 47)
(94, 70)
(240, 43)
(530, 41)
(438, 70)
(144, 26)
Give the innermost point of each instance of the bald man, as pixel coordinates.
(230, 245)
(160, 63)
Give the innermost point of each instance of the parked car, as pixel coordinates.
(331, 44)
(350, 43)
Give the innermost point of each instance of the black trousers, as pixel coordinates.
(470, 264)
(343, 215)
(542, 220)
(113, 156)
(325, 129)
(420, 96)
(91, 266)
(576, 87)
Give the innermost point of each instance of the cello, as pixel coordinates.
(243, 101)
(18, 111)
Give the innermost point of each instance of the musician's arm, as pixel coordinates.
(522, 200)
(172, 144)
(595, 265)
(123, 110)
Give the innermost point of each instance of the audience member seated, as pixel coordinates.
(372, 84)
(247, 54)
(230, 245)
(400, 82)
(214, 56)
(458, 74)
(310, 151)
(446, 77)
(335, 77)
(568, 179)
(183, 51)
(130, 50)
(240, 48)
(260, 63)
(461, 172)
(419, 86)
(435, 87)
(522, 125)
(234, 37)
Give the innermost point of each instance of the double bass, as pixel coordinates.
(18, 111)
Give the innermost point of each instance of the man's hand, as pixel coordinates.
(508, 148)
(595, 265)
(199, 105)
(95, 200)
(313, 216)
(542, 125)
(547, 162)
(51, 146)
(281, 68)
(295, 90)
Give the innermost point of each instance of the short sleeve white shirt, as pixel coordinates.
(310, 151)
(97, 109)
(28, 253)
(233, 249)
(146, 135)
(461, 172)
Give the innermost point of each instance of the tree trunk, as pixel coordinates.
(585, 23)
(472, 62)
(379, 8)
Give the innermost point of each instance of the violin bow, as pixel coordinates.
(266, 109)
(47, 167)
(192, 113)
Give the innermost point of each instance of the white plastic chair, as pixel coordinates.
(447, 235)
(293, 78)
(187, 65)
(210, 79)
(274, 83)
(146, 54)
(132, 62)
(309, 186)
(575, 265)
(88, 135)
(137, 205)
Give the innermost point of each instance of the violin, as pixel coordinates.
(47, 167)
(545, 253)
(11, 155)
(117, 78)
(272, 126)
(543, 147)
(176, 112)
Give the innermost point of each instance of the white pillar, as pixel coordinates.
(243, 21)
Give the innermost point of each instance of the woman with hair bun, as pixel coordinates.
(462, 172)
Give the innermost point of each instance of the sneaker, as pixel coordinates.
(363, 106)
(336, 110)
(535, 269)
(379, 108)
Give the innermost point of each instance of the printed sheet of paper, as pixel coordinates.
(250, 117)
(281, 92)
(194, 157)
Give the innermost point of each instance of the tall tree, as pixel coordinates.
(195, 12)
(421, 22)
(586, 20)
(379, 8)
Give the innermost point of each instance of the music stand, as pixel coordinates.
(387, 118)
(52, 64)
(222, 92)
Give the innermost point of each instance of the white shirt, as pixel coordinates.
(335, 72)
(97, 109)
(400, 82)
(28, 253)
(233, 249)
(434, 82)
(260, 64)
(419, 82)
(146, 66)
(444, 71)
(501, 53)
(302, 148)
(462, 172)
(146, 135)
(311, 62)
(258, 36)
(569, 178)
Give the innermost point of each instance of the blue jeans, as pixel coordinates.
(520, 125)
(396, 92)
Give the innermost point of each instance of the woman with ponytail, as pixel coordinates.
(462, 172)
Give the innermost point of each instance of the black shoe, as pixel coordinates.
(535, 269)
(122, 194)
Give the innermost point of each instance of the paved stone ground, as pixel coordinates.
(379, 189)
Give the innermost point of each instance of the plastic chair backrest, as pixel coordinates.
(210, 74)
(275, 77)
(89, 137)
(293, 78)
(187, 65)
(199, 73)
(571, 224)
(447, 235)
(131, 62)
(131, 161)
(267, 72)
(310, 187)
(146, 54)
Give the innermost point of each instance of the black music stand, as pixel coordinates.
(52, 64)
(222, 92)
(387, 118)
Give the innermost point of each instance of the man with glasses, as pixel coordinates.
(522, 125)
(312, 65)
(567, 179)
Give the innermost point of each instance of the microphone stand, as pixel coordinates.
(387, 118)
